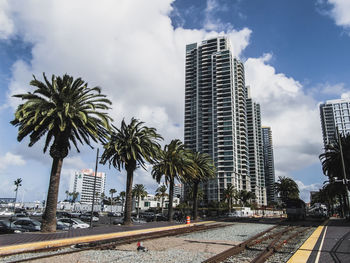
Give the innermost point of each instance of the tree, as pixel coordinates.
(122, 197)
(245, 196)
(131, 146)
(67, 195)
(74, 196)
(202, 170)
(230, 193)
(332, 164)
(161, 192)
(139, 191)
(112, 192)
(17, 183)
(67, 112)
(287, 188)
(172, 163)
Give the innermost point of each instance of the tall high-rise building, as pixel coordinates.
(215, 113)
(269, 166)
(334, 114)
(256, 156)
(82, 182)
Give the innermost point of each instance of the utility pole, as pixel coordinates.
(94, 190)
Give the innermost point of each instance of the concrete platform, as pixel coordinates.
(330, 242)
(16, 243)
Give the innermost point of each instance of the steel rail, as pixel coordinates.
(111, 243)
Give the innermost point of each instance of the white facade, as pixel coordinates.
(152, 201)
(83, 183)
(335, 114)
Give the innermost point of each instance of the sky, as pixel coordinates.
(296, 55)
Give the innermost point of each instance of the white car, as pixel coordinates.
(6, 213)
(74, 222)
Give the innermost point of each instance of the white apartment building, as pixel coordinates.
(83, 183)
(335, 114)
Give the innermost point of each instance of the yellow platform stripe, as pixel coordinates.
(5, 250)
(304, 252)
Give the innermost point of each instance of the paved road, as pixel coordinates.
(333, 245)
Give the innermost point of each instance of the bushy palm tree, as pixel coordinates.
(131, 146)
(17, 183)
(67, 112)
(139, 191)
(112, 192)
(172, 163)
(230, 193)
(245, 196)
(333, 166)
(287, 188)
(202, 170)
(161, 193)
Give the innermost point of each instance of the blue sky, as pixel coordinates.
(296, 55)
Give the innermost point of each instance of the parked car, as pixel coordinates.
(37, 213)
(61, 226)
(86, 216)
(118, 214)
(73, 222)
(119, 221)
(18, 216)
(7, 228)
(6, 213)
(27, 224)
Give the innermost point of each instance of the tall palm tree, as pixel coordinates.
(17, 183)
(112, 192)
(139, 191)
(202, 170)
(230, 193)
(67, 195)
(245, 196)
(67, 112)
(332, 164)
(161, 193)
(287, 188)
(172, 163)
(122, 197)
(131, 146)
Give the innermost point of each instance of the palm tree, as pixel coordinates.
(244, 196)
(17, 183)
(74, 196)
(112, 192)
(122, 197)
(202, 170)
(287, 188)
(161, 193)
(334, 167)
(230, 193)
(67, 112)
(67, 195)
(139, 191)
(131, 146)
(172, 163)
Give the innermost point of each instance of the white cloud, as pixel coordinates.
(131, 50)
(305, 190)
(6, 24)
(345, 95)
(340, 12)
(329, 89)
(292, 114)
(10, 159)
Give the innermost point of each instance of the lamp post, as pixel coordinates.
(94, 190)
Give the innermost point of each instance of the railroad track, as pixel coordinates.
(109, 243)
(260, 247)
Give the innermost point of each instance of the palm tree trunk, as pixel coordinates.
(49, 217)
(195, 201)
(229, 204)
(128, 200)
(138, 206)
(162, 203)
(14, 205)
(171, 197)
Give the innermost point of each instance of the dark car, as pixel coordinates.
(18, 216)
(117, 214)
(6, 227)
(27, 224)
(120, 221)
(86, 216)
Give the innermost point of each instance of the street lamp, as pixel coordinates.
(94, 190)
